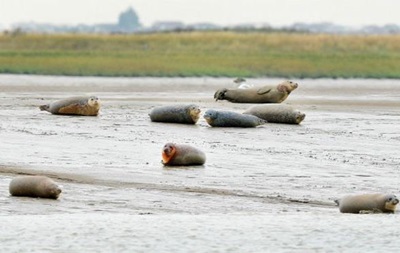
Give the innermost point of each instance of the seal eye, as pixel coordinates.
(390, 199)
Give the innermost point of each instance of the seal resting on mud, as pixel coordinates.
(183, 114)
(34, 186)
(277, 113)
(181, 154)
(84, 106)
(231, 119)
(242, 84)
(381, 203)
(266, 94)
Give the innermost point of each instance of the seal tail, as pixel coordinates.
(44, 107)
(220, 94)
(336, 201)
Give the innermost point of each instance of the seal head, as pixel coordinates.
(168, 152)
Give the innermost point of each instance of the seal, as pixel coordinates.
(34, 186)
(277, 113)
(231, 119)
(242, 84)
(84, 106)
(382, 203)
(183, 114)
(266, 94)
(180, 154)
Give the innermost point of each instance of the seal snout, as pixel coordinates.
(56, 192)
(300, 117)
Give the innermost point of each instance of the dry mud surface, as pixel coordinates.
(265, 189)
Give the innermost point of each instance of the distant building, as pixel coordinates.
(167, 26)
(128, 21)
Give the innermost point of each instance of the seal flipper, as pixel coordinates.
(263, 90)
(44, 107)
(220, 94)
(336, 201)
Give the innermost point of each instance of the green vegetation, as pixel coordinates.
(203, 54)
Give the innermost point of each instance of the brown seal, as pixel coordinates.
(266, 94)
(383, 203)
(183, 114)
(277, 113)
(34, 186)
(181, 154)
(84, 106)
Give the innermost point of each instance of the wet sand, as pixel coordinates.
(270, 188)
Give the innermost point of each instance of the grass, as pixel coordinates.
(203, 54)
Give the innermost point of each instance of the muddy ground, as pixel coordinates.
(269, 188)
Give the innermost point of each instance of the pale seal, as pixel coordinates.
(183, 114)
(277, 113)
(385, 203)
(242, 84)
(84, 106)
(34, 186)
(266, 94)
(180, 154)
(231, 119)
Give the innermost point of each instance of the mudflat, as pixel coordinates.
(266, 188)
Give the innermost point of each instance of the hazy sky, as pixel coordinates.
(222, 12)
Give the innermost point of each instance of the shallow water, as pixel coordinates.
(270, 188)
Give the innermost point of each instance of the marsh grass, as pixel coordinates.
(203, 54)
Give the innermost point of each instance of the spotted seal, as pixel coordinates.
(277, 113)
(385, 203)
(183, 114)
(84, 106)
(231, 119)
(266, 94)
(180, 154)
(34, 186)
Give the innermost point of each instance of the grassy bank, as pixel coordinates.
(203, 54)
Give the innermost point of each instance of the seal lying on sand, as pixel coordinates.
(277, 113)
(34, 186)
(180, 154)
(84, 106)
(184, 114)
(231, 119)
(242, 84)
(266, 94)
(385, 203)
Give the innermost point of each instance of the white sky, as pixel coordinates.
(222, 12)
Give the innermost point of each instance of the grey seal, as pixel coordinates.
(34, 186)
(277, 113)
(231, 119)
(376, 202)
(183, 114)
